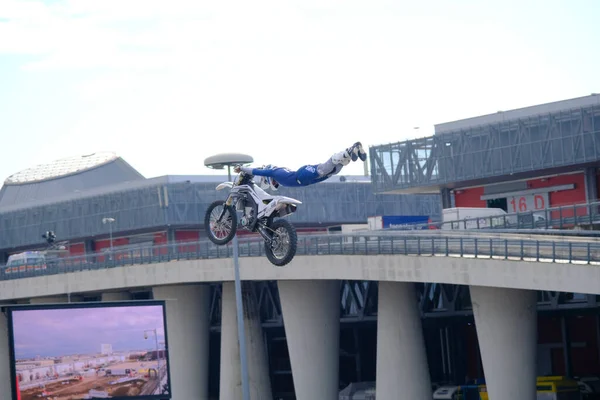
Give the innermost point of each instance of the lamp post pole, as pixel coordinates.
(110, 236)
(240, 313)
(157, 352)
(219, 162)
(109, 221)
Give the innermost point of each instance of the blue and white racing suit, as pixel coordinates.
(303, 176)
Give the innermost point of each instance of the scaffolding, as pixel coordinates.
(562, 139)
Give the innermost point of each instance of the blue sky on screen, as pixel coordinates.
(167, 84)
(83, 330)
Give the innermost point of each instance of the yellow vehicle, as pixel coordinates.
(549, 388)
(557, 388)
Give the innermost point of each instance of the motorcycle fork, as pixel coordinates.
(227, 203)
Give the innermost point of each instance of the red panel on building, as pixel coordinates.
(188, 237)
(104, 244)
(76, 249)
(160, 238)
(243, 233)
(549, 330)
(564, 197)
(311, 230)
(469, 197)
(585, 360)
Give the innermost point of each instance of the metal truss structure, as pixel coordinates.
(358, 302)
(543, 142)
(151, 205)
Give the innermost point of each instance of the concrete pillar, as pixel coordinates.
(187, 309)
(116, 296)
(258, 366)
(311, 317)
(506, 322)
(5, 379)
(401, 357)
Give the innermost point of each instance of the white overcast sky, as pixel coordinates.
(166, 84)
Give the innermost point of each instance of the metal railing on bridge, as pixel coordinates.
(562, 217)
(407, 243)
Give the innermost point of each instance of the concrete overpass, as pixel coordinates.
(503, 271)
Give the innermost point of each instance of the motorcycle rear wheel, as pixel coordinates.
(285, 241)
(220, 232)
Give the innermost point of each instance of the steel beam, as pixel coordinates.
(358, 302)
(547, 141)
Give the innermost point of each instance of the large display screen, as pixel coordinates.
(89, 351)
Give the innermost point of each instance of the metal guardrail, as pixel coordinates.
(508, 248)
(549, 218)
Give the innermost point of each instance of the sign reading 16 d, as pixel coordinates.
(530, 202)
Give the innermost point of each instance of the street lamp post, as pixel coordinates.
(109, 221)
(221, 161)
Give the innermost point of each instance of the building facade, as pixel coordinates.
(521, 160)
(95, 201)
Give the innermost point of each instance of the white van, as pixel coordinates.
(26, 261)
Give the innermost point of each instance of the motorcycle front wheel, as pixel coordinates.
(285, 240)
(220, 232)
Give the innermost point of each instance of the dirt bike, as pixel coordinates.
(258, 212)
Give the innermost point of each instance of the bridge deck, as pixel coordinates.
(500, 260)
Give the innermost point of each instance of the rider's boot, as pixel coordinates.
(356, 151)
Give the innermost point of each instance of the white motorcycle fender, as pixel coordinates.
(225, 185)
(282, 201)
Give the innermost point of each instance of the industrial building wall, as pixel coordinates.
(322, 203)
(183, 204)
(469, 154)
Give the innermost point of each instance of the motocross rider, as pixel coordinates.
(308, 174)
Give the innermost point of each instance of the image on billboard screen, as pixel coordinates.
(89, 351)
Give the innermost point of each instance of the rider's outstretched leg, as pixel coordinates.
(340, 159)
(337, 161)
